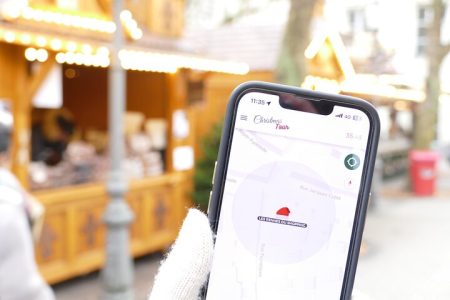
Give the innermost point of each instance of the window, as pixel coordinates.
(195, 91)
(357, 20)
(424, 18)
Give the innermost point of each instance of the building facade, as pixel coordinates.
(398, 29)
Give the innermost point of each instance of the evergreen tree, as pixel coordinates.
(205, 166)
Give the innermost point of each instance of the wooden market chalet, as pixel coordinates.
(330, 69)
(55, 46)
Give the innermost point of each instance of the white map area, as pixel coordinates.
(283, 185)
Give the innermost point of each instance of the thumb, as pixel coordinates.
(186, 267)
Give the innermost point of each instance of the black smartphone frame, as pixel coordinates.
(221, 167)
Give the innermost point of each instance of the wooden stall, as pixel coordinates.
(73, 236)
(32, 50)
(330, 69)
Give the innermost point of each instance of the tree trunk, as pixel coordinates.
(426, 115)
(292, 64)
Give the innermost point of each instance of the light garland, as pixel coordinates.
(94, 60)
(86, 49)
(71, 46)
(41, 41)
(211, 65)
(55, 44)
(13, 12)
(76, 53)
(103, 51)
(25, 39)
(9, 36)
(130, 25)
(72, 52)
(32, 54)
(142, 61)
(360, 85)
(169, 63)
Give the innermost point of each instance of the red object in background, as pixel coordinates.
(284, 211)
(423, 172)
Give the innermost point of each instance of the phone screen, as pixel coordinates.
(289, 201)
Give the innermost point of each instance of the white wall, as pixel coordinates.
(397, 24)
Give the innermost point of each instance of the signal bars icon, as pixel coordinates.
(354, 117)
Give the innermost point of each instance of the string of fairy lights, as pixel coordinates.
(81, 53)
(99, 24)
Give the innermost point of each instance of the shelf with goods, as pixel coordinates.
(73, 235)
(72, 238)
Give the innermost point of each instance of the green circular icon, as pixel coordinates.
(352, 161)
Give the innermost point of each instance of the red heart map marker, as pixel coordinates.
(284, 211)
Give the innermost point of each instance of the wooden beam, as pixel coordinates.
(21, 110)
(176, 91)
(25, 88)
(36, 79)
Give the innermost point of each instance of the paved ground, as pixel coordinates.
(89, 287)
(408, 254)
(408, 243)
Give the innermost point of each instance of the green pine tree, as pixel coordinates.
(204, 168)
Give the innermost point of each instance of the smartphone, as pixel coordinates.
(290, 192)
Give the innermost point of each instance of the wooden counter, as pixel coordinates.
(73, 236)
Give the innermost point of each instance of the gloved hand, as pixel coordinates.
(184, 271)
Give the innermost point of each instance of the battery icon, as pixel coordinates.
(357, 118)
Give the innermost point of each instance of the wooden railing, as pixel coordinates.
(73, 236)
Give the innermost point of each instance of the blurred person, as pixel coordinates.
(49, 138)
(19, 275)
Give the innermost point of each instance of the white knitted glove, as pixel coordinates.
(184, 271)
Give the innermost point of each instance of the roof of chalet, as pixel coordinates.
(254, 39)
(257, 45)
(177, 51)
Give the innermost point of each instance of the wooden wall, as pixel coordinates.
(9, 55)
(86, 95)
(217, 90)
(18, 83)
(148, 93)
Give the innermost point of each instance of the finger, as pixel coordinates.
(186, 267)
